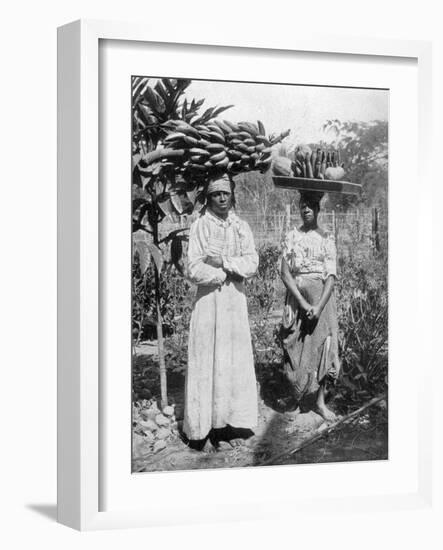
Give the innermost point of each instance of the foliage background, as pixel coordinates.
(361, 290)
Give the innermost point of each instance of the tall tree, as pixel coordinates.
(364, 150)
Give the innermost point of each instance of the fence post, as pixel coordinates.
(334, 226)
(375, 236)
(288, 218)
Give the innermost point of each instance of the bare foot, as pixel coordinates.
(236, 442)
(224, 446)
(326, 413)
(209, 447)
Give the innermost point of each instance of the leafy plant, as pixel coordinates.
(261, 289)
(175, 149)
(156, 190)
(362, 299)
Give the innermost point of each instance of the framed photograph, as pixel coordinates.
(235, 221)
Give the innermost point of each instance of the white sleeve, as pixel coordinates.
(245, 265)
(199, 272)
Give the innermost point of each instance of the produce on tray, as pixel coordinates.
(204, 150)
(309, 164)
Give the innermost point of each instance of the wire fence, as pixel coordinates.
(356, 231)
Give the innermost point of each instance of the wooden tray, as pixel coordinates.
(313, 184)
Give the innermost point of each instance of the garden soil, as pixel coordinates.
(277, 434)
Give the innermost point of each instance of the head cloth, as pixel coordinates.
(220, 184)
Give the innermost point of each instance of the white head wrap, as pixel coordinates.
(219, 184)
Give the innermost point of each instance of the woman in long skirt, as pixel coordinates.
(220, 388)
(309, 330)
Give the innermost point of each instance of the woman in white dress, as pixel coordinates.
(220, 388)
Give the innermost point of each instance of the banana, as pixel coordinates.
(188, 129)
(214, 136)
(215, 148)
(245, 158)
(174, 136)
(197, 159)
(204, 143)
(317, 171)
(206, 135)
(190, 140)
(176, 144)
(242, 147)
(245, 135)
(249, 142)
(198, 167)
(218, 156)
(313, 161)
(236, 142)
(328, 160)
(198, 151)
(248, 127)
(259, 147)
(232, 125)
(222, 163)
(308, 165)
(224, 127)
(214, 128)
(202, 130)
(323, 165)
(233, 135)
(236, 155)
(250, 150)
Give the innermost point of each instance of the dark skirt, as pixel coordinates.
(310, 347)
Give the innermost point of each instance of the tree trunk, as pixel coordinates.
(161, 349)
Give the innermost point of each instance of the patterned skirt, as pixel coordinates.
(310, 347)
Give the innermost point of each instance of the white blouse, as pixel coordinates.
(231, 239)
(310, 252)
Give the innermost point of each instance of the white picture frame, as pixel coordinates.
(79, 256)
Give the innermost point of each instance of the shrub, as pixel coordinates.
(362, 301)
(261, 289)
(175, 301)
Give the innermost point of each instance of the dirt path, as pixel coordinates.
(277, 433)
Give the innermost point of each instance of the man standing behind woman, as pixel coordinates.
(220, 388)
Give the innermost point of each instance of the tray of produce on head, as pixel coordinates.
(313, 184)
(311, 170)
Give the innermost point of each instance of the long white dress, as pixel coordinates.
(220, 386)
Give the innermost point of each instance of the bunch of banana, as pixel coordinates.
(319, 164)
(217, 146)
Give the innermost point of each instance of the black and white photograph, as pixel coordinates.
(259, 274)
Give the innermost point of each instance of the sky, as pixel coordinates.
(302, 109)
